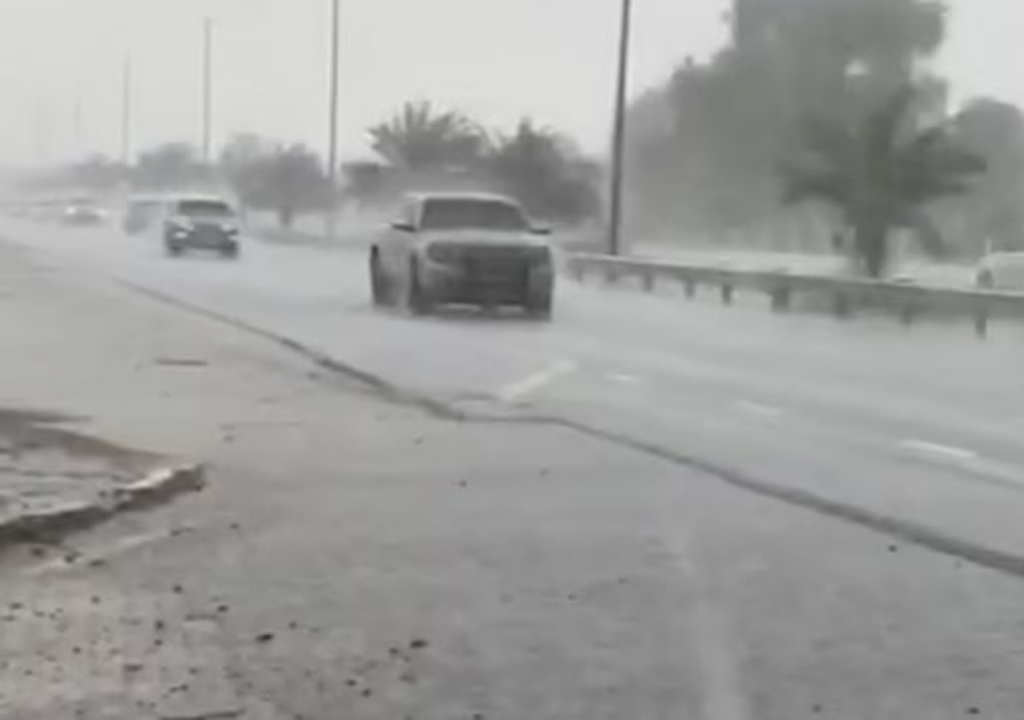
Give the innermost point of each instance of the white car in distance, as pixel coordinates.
(1001, 271)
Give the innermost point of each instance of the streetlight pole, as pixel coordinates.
(619, 132)
(332, 134)
(207, 89)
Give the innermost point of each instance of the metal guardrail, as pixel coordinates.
(844, 296)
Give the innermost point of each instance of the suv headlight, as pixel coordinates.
(443, 253)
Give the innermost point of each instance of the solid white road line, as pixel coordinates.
(521, 389)
(712, 640)
(936, 449)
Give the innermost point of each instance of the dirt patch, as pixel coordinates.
(54, 480)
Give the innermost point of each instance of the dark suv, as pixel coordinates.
(463, 248)
(201, 224)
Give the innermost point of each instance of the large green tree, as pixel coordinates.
(367, 182)
(704, 148)
(420, 139)
(427, 149)
(543, 170)
(992, 216)
(170, 166)
(286, 178)
(881, 173)
(240, 165)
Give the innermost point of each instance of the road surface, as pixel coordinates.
(822, 517)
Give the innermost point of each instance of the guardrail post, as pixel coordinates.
(841, 305)
(847, 295)
(907, 314)
(781, 298)
(648, 280)
(981, 324)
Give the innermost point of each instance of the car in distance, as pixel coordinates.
(1001, 271)
(82, 212)
(139, 214)
(200, 223)
(462, 248)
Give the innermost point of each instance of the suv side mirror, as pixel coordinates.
(403, 226)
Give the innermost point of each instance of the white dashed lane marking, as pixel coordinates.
(931, 449)
(713, 640)
(973, 464)
(624, 379)
(521, 389)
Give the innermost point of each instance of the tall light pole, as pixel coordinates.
(207, 90)
(332, 130)
(619, 132)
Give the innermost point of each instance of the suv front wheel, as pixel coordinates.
(539, 307)
(379, 290)
(417, 298)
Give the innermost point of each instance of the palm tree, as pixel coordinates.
(543, 170)
(172, 165)
(418, 139)
(881, 173)
(293, 181)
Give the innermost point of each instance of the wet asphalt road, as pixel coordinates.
(710, 513)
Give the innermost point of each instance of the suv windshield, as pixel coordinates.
(205, 208)
(460, 213)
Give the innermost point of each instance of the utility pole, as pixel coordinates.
(207, 90)
(332, 134)
(619, 132)
(126, 112)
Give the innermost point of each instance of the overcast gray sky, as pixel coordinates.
(496, 59)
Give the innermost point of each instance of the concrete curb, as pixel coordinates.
(52, 524)
(160, 486)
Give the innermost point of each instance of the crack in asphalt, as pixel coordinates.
(919, 534)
